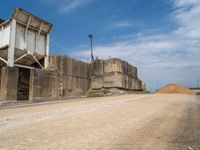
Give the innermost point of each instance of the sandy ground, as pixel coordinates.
(152, 122)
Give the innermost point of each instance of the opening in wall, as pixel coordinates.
(23, 84)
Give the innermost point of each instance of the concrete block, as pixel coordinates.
(0, 79)
(113, 80)
(9, 83)
(97, 68)
(113, 65)
(44, 84)
(97, 82)
(115, 73)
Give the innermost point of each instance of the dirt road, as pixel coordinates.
(152, 122)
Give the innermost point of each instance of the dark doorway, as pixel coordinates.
(23, 84)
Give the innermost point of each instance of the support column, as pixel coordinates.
(32, 85)
(11, 48)
(9, 83)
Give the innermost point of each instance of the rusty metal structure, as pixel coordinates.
(28, 72)
(24, 40)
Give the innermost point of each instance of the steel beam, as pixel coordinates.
(46, 59)
(37, 37)
(21, 57)
(23, 66)
(3, 60)
(11, 48)
(37, 61)
(26, 32)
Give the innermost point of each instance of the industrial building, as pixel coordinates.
(28, 72)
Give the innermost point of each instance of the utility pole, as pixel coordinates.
(92, 57)
(198, 82)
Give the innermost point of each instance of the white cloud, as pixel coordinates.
(72, 5)
(122, 24)
(163, 57)
(65, 6)
(125, 24)
(187, 15)
(185, 3)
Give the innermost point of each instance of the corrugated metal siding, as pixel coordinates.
(4, 35)
(31, 40)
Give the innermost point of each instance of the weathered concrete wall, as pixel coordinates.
(65, 78)
(74, 75)
(9, 83)
(68, 78)
(101, 67)
(0, 79)
(115, 73)
(43, 84)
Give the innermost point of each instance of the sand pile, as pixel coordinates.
(175, 88)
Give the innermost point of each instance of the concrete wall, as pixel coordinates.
(43, 84)
(65, 78)
(68, 78)
(74, 75)
(113, 65)
(9, 83)
(115, 73)
(0, 79)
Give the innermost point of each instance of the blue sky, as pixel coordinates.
(160, 37)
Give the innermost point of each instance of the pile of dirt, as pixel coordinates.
(175, 89)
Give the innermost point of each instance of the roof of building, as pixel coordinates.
(25, 17)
